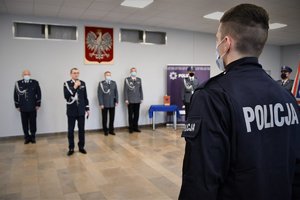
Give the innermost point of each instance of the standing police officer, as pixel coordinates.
(285, 81)
(77, 106)
(27, 96)
(189, 85)
(133, 94)
(108, 99)
(242, 132)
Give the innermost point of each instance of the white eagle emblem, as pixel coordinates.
(99, 44)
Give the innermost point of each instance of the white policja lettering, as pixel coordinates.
(269, 116)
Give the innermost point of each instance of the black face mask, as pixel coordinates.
(191, 74)
(283, 76)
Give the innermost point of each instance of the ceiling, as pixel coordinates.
(177, 14)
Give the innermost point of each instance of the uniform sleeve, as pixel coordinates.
(69, 91)
(116, 94)
(125, 90)
(38, 95)
(207, 151)
(182, 91)
(86, 100)
(100, 95)
(141, 91)
(16, 98)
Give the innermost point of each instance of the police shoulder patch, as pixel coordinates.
(192, 128)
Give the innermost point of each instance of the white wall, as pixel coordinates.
(50, 62)
(291, 57)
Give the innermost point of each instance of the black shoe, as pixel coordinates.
(112, 133)
(33, 141)
(137, 130)
(27, 141)
(106, 133)
(130, 131)
(70, 152)
(82, 151)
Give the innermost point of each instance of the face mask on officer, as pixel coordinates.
(284, 75)
(133, 74)
(108, 78)
(26, 78)
(219, 59)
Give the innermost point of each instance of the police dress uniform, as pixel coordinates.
(77, 106)
(287, 84)
(108, 97)
(189, 86)
(27, 96)
(133, 93)
(242, 137)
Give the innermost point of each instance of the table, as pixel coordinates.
(162, 108)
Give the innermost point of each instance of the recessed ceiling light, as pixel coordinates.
(215, 15)
(136, 3)
(276, 26)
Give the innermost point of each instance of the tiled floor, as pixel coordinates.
(143, 166)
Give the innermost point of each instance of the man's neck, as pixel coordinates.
(233, 56)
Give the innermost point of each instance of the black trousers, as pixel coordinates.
(71, 125)
(187, 108)
(29, 122)
(105, 112)
(133, 115)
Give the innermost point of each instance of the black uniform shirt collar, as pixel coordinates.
(250, 61)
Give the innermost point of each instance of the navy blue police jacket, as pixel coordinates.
(27, 96)
(242, 137)
(77, 100)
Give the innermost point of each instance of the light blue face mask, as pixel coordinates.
(219, 60)
(108, 78)
(133, 74)
(26, 78)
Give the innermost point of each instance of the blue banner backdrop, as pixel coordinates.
(175, 75)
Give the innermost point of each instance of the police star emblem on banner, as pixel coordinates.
(99, 48)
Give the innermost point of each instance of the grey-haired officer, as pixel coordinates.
(27, 96)
(77, 107)
(133, 94)
(108, 99)
(189, 85)
(285, 81)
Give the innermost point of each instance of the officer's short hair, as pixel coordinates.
(74, 68)
(248, 24)
(132, 68)
(107, 72)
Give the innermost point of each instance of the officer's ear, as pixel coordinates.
(227, 43)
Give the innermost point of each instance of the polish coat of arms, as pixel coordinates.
(99, 48)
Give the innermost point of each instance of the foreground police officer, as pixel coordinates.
(27, 96)
(285, 81)
(133, 94)
(77, 106)
(242, 133)
(189, 85)
(108, 99)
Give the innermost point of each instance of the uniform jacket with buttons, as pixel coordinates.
(27, 96)
(242, 137)
(77, 100)
(108, 93)
(287, 85)
(133, 90)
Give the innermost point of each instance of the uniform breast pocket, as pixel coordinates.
(192, 128)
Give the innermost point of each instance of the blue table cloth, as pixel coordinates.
(163, 108)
